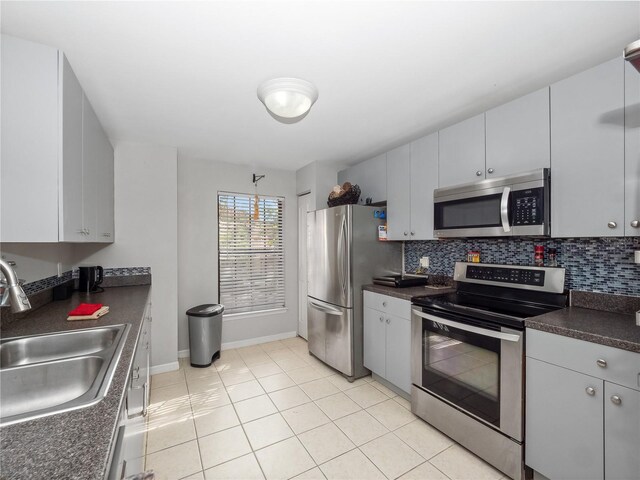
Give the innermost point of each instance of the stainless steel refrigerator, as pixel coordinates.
(343, 254)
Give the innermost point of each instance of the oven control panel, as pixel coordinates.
(521, 276)
(527, 206)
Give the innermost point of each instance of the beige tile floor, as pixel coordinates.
(273, 411)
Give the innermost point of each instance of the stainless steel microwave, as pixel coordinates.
(517, 205)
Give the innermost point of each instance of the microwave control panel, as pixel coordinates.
(506, 275)
(527, 206)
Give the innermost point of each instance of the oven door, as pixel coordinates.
(472, 365)
(481, 213)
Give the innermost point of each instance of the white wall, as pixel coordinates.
(317, 179)
(146, 219)
(35, 261)
(198, 184)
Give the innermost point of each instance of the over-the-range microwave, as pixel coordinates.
(517, 205)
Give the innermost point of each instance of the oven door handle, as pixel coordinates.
(509, 337)
(504, 209)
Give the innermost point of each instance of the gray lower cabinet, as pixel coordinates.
(563, 423)
(371, 177)
(582, 409)
(412, 175)
(632, 151)
(518, 135)
(587, 153)
(462, 152)
(387, 338)
(621, 433)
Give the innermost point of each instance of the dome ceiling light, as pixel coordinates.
(288, 100)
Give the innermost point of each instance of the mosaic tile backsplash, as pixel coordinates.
(593, 264)
(53, 281)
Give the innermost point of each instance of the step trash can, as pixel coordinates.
(205, 333)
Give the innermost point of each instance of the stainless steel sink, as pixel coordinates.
(46, 374)
(42, 348)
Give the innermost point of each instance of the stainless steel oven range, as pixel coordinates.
(467, 358)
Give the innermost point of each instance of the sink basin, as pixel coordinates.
(42, 348)
(47, 374)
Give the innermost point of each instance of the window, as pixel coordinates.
(250, 252)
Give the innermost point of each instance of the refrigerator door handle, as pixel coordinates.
(326, 309)
(342, 245)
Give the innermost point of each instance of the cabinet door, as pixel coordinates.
(91, 144)
(374, 341)
(398, 193)
(518, 135)
(30, 141)
(632, 151)
(70, 182)
(424, 180)
(563, 422)
(587, 153)
(621, 432)
(105, 221)
(462, 152)
(398, 352)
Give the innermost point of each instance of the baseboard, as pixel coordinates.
(166, 367)
(257, 340)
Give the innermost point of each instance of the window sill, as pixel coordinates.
(260, 313)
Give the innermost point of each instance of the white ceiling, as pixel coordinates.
(185, 73)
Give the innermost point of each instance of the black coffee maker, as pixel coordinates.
(90, 278)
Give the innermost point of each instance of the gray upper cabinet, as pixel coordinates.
(424, 180)
(518, 135)
(632, 151)
(462, 152)
(587, 153)
(52, 142)
(412, 175)
(30, 142)
(370, 176)
(399, 193)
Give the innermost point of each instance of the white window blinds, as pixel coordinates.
(250, 252)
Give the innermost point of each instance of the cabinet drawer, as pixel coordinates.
(390, 305)
(619, 366)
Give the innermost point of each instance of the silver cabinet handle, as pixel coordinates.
(635, 223)
(388, 321)
(381, 319)
(601, 363)
(136, 373)
(612, 224)
(384, 304)
(491, 170)
(413, 233)
(478, 173)
(590, 391)
(615, 399)
(406, 233)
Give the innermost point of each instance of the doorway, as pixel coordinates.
(304, 205)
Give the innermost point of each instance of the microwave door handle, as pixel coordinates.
(509, 337)
(504, 209)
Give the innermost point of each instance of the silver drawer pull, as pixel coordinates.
(601, 363)
(384, 304)
(381, 319)
(388, 321)
(616, 399)
(590, 391)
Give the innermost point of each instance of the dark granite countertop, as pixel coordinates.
(607, 328)
(76, 444)
(409, 292)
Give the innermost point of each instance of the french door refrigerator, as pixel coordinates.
(343, 254)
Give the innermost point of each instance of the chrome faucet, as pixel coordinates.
(12, 290)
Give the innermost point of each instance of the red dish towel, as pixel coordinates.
(85, 309)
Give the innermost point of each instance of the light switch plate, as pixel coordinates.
(424, 262)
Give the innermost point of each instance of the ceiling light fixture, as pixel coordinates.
(288, 100)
